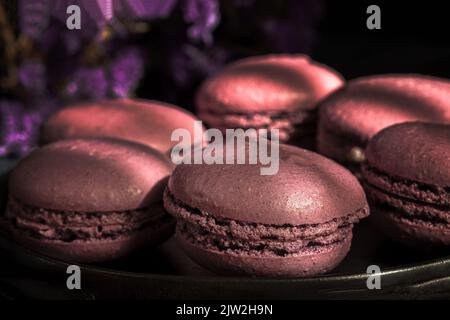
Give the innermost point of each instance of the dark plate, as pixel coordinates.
(166, 273)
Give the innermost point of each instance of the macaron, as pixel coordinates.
(233, 221)
(89, 200)
(351, 116)
(268, 92)
(147, 122)
(407, 179)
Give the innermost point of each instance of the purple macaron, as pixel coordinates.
(271, 92)
(407, 180)
(89, 200)
(147, 122)
(351, 116)
(296, 223)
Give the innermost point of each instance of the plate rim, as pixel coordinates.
(390, 271)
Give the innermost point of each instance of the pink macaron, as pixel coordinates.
(351, 116)
(271, 92)
(297, 223)
(89, 200)
(150, 123)
(407, 179)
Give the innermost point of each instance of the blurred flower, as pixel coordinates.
(204, 16)
(19, 125)
(32, 77)
(72, 42)
(126, 71)
(9, 112)
(91, 15)
(144, 9)
(34, 17)
(88, 83)
(97, 13)
(106, 57)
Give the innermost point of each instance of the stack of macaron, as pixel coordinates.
(393, 132)
(93, 191)
(102, 184)
(89, 200)
(269, 92)
(351, 116)
(234, 221)
(149, 123)
(407, 179)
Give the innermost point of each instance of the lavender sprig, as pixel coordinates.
(184, 50)
(126, 71)
(204, 15)
(32, 76)
(19, 125)
(88, 83)
(144, 9)
(34, 17)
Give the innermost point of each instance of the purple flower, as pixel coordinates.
(72, 42)
(9, 113)
(32, 76)
(92, 18)
(126, 71)
(19, 125)
(145, 9)
(88, 83)
(204, 15)
(96, 13)
(92, 64)
(34, 17)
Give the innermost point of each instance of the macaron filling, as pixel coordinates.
(299, 123)
(65, 226)
(223, 234)
(421, 192)
(407, 200)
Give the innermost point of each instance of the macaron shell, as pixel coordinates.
(147, 122)
(95, 175)
(268, 83)
(305, 264)
(307, 189)
(418, 152)
(367, 105)
(411, 232)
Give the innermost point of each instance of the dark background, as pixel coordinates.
(414, 38)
